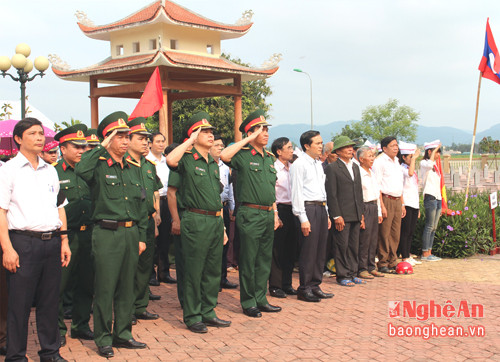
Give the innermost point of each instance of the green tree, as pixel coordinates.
(349, 132)
(221, 109)
(388, 119)
(489, 145)
(65, 124)
(6, 111)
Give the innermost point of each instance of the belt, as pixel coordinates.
(82, 228)
(204, 212)
(319, 203)
(163, 197)
(391, 197)
(113, 225)
(373, 202)
(258, 207)
(46, 235)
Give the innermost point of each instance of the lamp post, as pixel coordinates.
(311, 85)
(24, 66)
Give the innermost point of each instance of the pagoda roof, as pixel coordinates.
(172, 59)
(164, 12)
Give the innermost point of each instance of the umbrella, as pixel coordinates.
(7, 145)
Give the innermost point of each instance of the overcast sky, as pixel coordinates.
(424, 53)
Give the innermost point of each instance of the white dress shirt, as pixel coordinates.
(410, 188)
(432, 180)
(283, 187)
(371, 190)
(389, 175)
(162, 171)
(307, 180)
(349, 166)
(29, 195)
(227, 191)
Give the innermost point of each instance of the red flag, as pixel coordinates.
(152, 98)
(490, 61)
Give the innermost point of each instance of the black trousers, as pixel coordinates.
(408, 225)
(3, 303)
(313, 249)
(164, 239)
(38, 279)
(284, 248)
(346, 244)
(368, 239)
(227, 225)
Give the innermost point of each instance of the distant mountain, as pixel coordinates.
(447, 135)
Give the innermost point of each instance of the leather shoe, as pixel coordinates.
(228, 285)
(198, 327)
(268, 308)
(216, 322)
(147, 316)
(3, 351)
(105, 351)
(87, 335)
(62, 341)
(277, 293)
(168, 279)
(131, 344)
(386, 270)
(252, 312)
(308, 297)
(290, 291)
(134, 320)
(154, 296)
(56, 358)
(322, 295)
(154, 282)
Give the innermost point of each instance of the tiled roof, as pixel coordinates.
(173, 11)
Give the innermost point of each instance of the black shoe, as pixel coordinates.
(290, 291)
(307, 297)
(105, 351)
(68, 313)
(386, 270)
(168, 279)
(228, 285)
(322, 295)
(87, 335)
(198, 327)
(252, 312)
(56, 358)
(134, 320)
(268, 308)
(216, 322)
(62, 341)
(154, 297)
(277, 293)
(130, 344)
(154, 282)
(147, 316)
(3, 351)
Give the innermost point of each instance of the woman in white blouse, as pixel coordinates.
(432, 197)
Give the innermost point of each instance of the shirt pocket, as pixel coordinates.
(255, 167)
(136, 190)
(113, 188)
(273, 174)
(70, 191)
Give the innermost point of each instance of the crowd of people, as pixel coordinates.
(89, 221)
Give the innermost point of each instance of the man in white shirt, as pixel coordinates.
(32, 213)
(309, 205)
(389, 175)
(285, 236)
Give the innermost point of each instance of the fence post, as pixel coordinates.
(446, 163)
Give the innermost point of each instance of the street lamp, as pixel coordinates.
(24, 66)
(311, 84)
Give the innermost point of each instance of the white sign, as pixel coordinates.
(493, 200)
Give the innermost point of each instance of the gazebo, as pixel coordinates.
(184, 45)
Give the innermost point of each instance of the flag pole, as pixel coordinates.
(473, 138)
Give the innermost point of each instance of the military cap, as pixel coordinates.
(91, 136)
(50, 147)
(198, 120)
(116, 120)
(360, 141)
(342, 141)
(255, 118)
(137, 126)
(74, 134)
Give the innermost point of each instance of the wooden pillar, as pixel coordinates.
(170, 128)
(94, 104)
(237, 110)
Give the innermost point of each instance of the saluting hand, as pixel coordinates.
(256, 133)
(194, 135)
(11, 260)
(108, 139)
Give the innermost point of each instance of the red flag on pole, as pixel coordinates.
(152, 98)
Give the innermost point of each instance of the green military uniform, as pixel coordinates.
(78, 278)
(120, 216)
(255, 186)
(151, 183)
(202, 229)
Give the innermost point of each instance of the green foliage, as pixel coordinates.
(349, 132)
(489, 145)
(65, 124)
(463, 147)
(6, 111)
(388, 119)
(468, 232)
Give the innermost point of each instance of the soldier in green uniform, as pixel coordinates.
(119, 235)
(257, 216)
(147, 172)
(92, 139)
(202, 227)
(78, 278)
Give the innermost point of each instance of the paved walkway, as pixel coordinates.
(351, 326)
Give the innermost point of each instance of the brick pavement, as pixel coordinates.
(351, 326)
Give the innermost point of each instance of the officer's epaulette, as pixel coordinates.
(130, 160)
(187, 151)
(153, 162)
(270, 153)
(103, 158)
(245, 148)
(54, 163)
